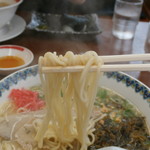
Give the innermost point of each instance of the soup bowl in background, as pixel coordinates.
(131, 89)
(7, 11)
(20, 52)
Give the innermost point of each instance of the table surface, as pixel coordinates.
(104, 44)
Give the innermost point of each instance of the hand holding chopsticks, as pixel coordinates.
(109, 67)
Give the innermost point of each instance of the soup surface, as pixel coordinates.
(11, 61)
(121, 125)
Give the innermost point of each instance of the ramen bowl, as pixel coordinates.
(13, 58)
(7, 12)
(128, 87)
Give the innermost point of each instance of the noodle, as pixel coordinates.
(6, 108)
(69, 101)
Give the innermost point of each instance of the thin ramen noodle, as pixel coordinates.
(69, 106)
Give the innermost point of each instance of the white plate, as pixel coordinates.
(127, 86)
(16, 27)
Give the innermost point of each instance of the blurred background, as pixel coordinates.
(101, 7)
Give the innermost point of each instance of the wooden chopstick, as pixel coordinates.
(104, 68)
(125, 58)
(110, 67)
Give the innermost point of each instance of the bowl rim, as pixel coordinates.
(121, 78)
(12, 5)
(108, 74)
(22, 66)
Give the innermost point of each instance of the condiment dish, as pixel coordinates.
(13, 58)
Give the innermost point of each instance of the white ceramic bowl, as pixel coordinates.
(127, 86)
(15, 50)
(8, 12)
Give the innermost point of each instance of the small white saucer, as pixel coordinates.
(15, 27)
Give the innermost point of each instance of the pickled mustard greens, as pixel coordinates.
(124, 126)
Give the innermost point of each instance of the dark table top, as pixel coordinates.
(104, 43)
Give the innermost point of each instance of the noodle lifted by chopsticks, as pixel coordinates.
(69, 101)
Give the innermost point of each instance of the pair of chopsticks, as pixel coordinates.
(109, 67)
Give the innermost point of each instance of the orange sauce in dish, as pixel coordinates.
(11, 61)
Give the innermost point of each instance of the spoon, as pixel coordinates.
(112, 148)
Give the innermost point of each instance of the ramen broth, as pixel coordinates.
(121, 125)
